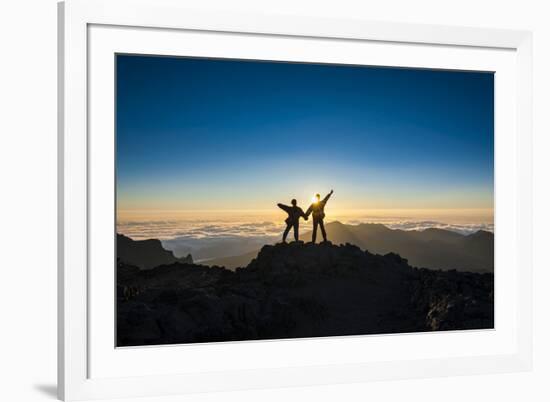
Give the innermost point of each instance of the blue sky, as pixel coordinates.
(224, 134)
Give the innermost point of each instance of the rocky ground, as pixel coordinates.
(297, 290)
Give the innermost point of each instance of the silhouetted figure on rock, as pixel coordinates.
(293, 220)
(318, 211)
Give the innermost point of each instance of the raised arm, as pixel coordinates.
(328, 196)
(284, 207)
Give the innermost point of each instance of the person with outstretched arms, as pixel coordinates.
(293, 220)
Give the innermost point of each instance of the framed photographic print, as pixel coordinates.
(258, 201)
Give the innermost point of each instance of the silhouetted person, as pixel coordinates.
(293, 220)
(318, 211)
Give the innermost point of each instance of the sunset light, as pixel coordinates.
(273, 200)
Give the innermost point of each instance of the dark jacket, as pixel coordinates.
(294, 213)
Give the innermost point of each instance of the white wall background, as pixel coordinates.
(28, 198)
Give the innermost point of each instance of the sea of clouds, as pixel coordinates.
(207, 239)
(196, 229)
(203, 229)
(462, 228)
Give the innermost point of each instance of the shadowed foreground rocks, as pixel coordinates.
(297, 290)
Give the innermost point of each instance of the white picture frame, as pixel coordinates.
(90, 32)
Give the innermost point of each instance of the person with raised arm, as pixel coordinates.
(317, 209)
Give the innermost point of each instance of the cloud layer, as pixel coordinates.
(204, 229)
(206, 239)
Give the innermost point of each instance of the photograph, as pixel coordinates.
(262, 199)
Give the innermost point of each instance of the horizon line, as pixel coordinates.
(274, 209)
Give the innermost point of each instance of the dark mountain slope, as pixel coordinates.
(297, 290)
(435, 234)
(145, 254)
(431, 248)
(232, 262)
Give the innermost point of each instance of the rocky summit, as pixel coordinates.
(297, 290)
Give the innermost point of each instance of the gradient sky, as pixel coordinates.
(204, 134)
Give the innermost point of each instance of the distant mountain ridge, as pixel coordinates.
(430, 248)
(146, 254)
